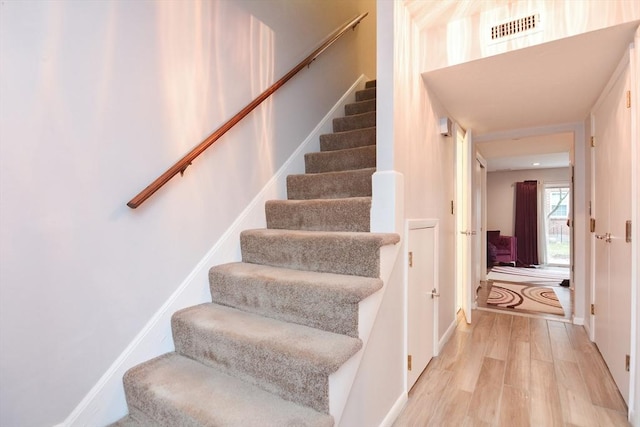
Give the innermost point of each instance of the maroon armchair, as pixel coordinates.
(506, 247)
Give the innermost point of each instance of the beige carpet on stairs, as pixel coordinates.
(286, 317)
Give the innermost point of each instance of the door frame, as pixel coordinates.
(462, 208)
(413, 224)
(634, 387)
(480, 216)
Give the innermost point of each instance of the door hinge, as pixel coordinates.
(409, 362)
(628, 99)
(592, 225)
(627, 362)
(627, 232)
(452, 207)
(593, 309)
(410, 259)
(593, 141)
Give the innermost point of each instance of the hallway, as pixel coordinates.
(507, 370)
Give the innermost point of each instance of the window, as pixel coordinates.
(558, 199)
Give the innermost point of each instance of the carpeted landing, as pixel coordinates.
(286, 317)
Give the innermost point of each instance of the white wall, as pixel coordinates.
(99, 98)
(501, 193)
(423, 156)
(410, 151)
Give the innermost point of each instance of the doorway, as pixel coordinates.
(422, 297)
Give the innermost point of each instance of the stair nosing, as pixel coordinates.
(345, 172)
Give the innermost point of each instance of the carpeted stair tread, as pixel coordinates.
(291, 360)
(347, 214)
(365, 94)
(324, 301)
(351, 253)
(360, 107)
(349, 139)
(370, 83)
(330, 185)
(173, 390)
(341, 160)
(356, 121)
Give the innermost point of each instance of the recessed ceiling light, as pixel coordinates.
(536, 164)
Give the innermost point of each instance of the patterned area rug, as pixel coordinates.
(538, 276)
(526, 298)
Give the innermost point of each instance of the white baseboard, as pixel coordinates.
(395, 411)
(445, 338)
(105, 402)
(578, 320)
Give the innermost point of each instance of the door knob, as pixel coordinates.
(434, 293)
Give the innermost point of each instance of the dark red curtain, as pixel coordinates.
(526, 226)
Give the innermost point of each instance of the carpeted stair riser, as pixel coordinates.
(341, 160)
(290, 360)
(129, 421)
(370, 83)
(330, 185)
(319, 300)
(357, 121)
(366, 94)
(350, 139)
(356, 254)
(349, 214)
(360, 107)
(173, 390)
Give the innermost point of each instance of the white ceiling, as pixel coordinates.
(552, 83)
(535, 152)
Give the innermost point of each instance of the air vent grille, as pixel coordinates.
(515, 27)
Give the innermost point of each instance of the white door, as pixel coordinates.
(612, 275)
(421, 301)
(464, 232)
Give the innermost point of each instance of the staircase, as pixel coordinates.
(286, 317)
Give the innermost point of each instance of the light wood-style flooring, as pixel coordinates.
(506, 370)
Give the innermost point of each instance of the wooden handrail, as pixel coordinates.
(183, 163)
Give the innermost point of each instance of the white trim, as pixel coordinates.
(447, 335)
(105, 402)
(590, 324)
(634, 384)
(395, 411)
(621, 67)
(579, 321)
